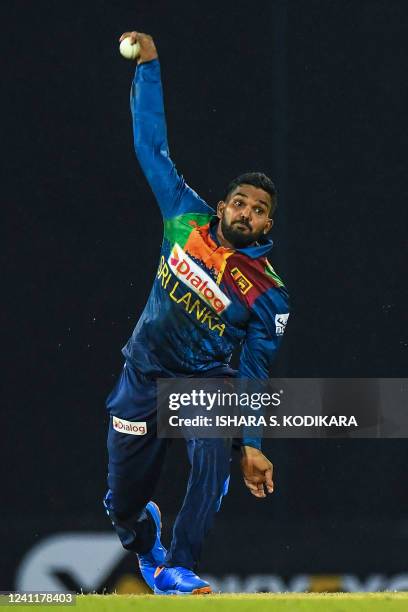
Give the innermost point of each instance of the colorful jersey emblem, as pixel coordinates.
(243, 284)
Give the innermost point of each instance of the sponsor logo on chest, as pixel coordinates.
(190, 273)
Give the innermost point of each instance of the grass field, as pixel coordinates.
(302, 602)
(296, 602)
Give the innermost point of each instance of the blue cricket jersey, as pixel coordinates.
(206, 299)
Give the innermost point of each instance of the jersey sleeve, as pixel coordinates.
(263, 338)
(172, 193)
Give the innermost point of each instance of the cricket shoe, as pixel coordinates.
(149, 562)
(179, 581)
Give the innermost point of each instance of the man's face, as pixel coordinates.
(244, 217)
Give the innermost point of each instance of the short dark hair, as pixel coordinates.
(257, 179)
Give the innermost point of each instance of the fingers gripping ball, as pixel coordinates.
(129, 51)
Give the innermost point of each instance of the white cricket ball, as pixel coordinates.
(128, 50)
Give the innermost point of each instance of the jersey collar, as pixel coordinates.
(260, 249)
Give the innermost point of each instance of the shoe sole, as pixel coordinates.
(202, 591)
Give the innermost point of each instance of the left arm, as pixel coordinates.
(263, 339)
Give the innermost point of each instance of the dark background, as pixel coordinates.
(313, 93)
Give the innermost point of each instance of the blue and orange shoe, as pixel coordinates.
(149, 562)
(179, 581)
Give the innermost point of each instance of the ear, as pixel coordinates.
(268, 226)
(220, 209)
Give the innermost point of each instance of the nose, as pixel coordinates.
(246, 212)
(245, 216)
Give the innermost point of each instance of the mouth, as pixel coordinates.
(242, 225)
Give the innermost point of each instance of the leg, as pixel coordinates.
(135, 461)
(208, 483)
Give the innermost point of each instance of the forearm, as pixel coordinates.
(251, 435)
(149, 123)
(150, 137)
(257, 355)
(172, 193)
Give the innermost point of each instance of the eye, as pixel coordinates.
(237, 202)
(259, 211)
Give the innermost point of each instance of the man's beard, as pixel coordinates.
(236, 237)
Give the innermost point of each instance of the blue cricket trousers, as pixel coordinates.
(135, 463)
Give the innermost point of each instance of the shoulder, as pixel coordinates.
(257, 278)
(259, 270)
(277, 289)
(179, 227)
(270, 272)
(273, 298)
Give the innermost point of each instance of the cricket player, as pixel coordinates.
(214, 290)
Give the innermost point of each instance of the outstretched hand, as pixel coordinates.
(257, 471)
(148, 49)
